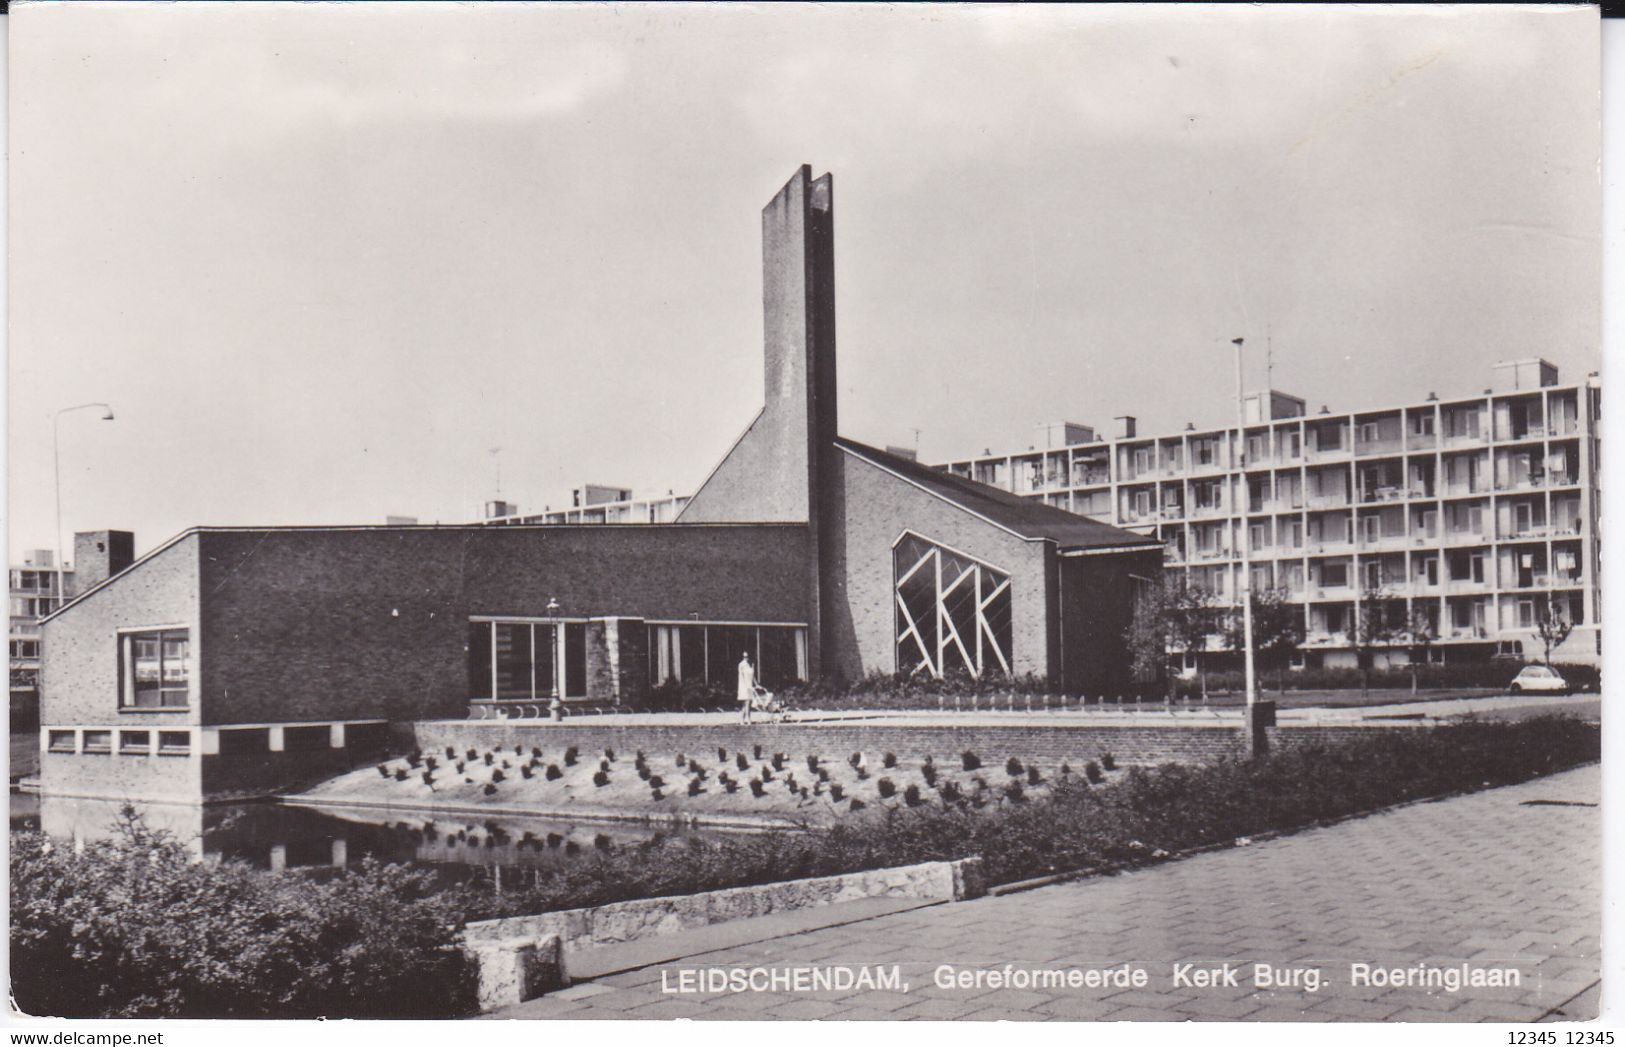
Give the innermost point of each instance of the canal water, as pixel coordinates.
(273, 836)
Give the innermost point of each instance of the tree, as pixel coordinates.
(1552, 627)
(1419, 636)
(1379, 622)
(1277, 631)
(1171, 616)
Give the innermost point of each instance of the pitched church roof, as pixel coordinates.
(1025, 517)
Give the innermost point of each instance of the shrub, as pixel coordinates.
(929, 773)
(1013, 767)
(969, 760)
(553, 772)
(1033, 777)
(603, 765)
(682, 761)
(767, 773)
(428, 778)
(414, 758)
(461, 767)
(911, 795)
(430, 762)
(855, 759)
(451, 754)
(535, 752)
(1108, 761)
(609, 754)
(950, 793)
(1014, 793)
(812, 763)
(863, 774)
(722, 755)
(643, 771)
(149, 932)
(886, 787)
(400, 774)
(693, 787)
(730, 786)
(756, 788)
(778, 761)
(1066, 769)
(656, 782)
(600, 778)
(889, 761)
(856, 804)
(383, 770)
(490, 789)
(740, 762)
(525, 772)
(836, 792)
(471, 755)
(554, 840)
(602, 842)
(757, 750)
(497, 775)
(571, 755)
(489, 759)
(1091, 770)
(656, 794)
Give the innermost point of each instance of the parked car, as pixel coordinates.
(1539, 679)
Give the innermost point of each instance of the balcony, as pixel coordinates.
(1460, 586)
(1173, 512)
(1533, 533)
(1421, 441)
(1393, 446)
(1456, 440)
(1466, 538)
(1091, 478)
(1463, 490)
(1471, 632)
(1317, 638)
(1328, 501)
(1385, 493)
(1322, 546)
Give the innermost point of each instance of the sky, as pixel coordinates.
(323, 259)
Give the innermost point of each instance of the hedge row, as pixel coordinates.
(136, 927)
(1170, 808)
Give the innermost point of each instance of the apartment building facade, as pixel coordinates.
(39, 585)
(1478, 512)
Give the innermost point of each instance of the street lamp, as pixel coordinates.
(1246, 542)
(56, 465)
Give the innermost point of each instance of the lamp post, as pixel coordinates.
(1246, 544)
(56, 466)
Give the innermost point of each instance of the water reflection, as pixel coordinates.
(271, 836)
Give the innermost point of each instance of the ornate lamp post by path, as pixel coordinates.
(56, 466)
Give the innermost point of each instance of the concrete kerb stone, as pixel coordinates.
(521, 957)
(514, 970)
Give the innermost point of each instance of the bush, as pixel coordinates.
(889, 761)
(383, 770)
(570, 756)
(609, 754)
(600, 778)
(969, 760)
(756, 789)
(1033, 777)
(722, 755)
(400, 774)
(553, 772)
(1014, 792)
(855, 759)
(656, 782)
(1013, 767)
(950, 793)
(526, 772)
(1108, 761)
(1091, 770)
(836, 791)
(812, 763)
(693, 787)
(886, 787)
(489, 759)
(778, 761)
(929, 773)
(497, 775)
(471, 755)
(490, 789)
(911, 795)
(134, 927)
(740, 762)
(757, 749)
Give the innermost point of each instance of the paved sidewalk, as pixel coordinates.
(1508, 878)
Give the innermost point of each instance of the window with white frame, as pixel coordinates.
(526, 660)
(953, 613)
(155, 669)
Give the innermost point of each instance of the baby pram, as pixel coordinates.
(763, 701)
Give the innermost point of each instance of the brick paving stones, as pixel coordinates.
(1485, 879)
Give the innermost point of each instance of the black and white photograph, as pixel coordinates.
(805, 513)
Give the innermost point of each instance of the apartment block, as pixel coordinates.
(1476, 511)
